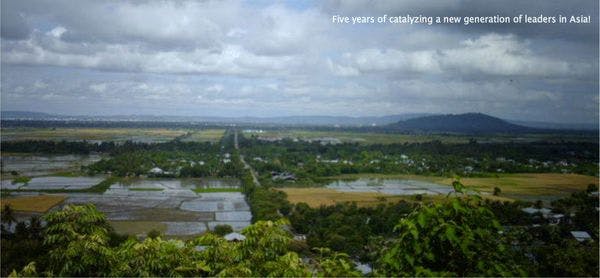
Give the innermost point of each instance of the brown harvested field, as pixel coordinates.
(530, 184)
(315, 197)
(39, 203)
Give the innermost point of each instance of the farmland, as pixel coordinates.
(110, 134)
(395, 138)
(38, 203)
(525, 187)
(185, 183)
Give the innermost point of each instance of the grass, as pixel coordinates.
(146, 189)
(215, 189)
(40, 203)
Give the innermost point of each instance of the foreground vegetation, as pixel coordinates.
(458, 235)
(464, 236)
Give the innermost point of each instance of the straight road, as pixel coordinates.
(246, 165)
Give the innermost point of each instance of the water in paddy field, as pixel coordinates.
(390, 186)
(171, 204)
(44, 165)
(42, 183)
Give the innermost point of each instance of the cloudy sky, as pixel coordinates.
(262, 58)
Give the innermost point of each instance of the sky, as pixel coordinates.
(283, 58)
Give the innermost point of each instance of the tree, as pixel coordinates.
(223, 229)
(8, 215)
(156, 257)
(458, 237)
(77, 237)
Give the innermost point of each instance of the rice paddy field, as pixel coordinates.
(373, 189)
(92, 134)
(175, 207)
(40, 165)
(205, 135)
(38, 203)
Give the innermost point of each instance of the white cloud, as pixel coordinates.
(216, 88)
(490, 54)
(57, 32)
(98, 88)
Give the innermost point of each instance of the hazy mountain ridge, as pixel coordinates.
(413, 122)
(460, 123)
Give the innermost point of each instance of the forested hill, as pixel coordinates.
(459, 123)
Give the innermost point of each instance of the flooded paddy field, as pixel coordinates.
(92, 134)
(170, 206)
(44, 183)
(40, 165)
(390, 186)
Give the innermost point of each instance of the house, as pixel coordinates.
(300, 237)
(156, 171)
(544, 211)
(365, 269)
(284, 176)
(581, 236)
(234, 237)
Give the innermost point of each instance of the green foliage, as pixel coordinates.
(264, 252)
(458, 237)
(76, 243)
(27, 271)
(334, 264)
(21, 179)
(310, 161)
(155, 257)
(497, 191)
(154, 234)
(345, 227)
(223, 229)
(77, 237)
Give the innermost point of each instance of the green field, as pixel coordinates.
(390, 138)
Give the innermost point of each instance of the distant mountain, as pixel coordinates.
(459, 123)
